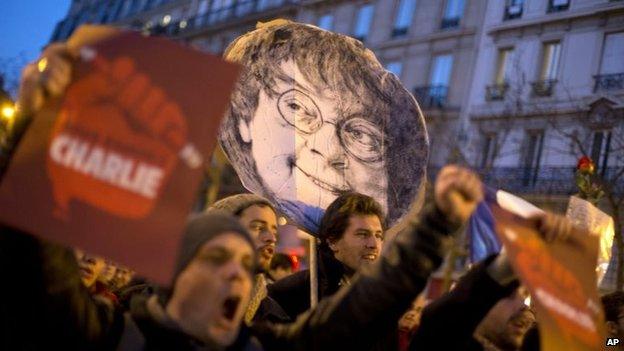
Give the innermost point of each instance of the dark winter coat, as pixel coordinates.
(459, 312)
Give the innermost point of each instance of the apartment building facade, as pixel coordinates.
(548, 88)
(518, 89)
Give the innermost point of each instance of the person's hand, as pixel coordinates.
(47, 77)
(457, 192)
(553, 227)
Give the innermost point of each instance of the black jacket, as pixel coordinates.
(293, 292)
(46, 306)
(449, 322)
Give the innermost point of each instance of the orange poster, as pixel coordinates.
(561, 277)
(113, 166)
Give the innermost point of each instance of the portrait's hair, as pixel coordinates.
(281, 260)
(612, 304)
(336, 218)
(338, 63)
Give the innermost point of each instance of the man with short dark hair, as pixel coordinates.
(351, 235)
(613, 304)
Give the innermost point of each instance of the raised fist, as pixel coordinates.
(457, 192)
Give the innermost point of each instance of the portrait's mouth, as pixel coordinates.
(335, 189)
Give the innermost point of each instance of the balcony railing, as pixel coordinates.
(557, 5)
(496, 91)
(238, 9)
(451, 22)
(512, 12)
(543, 87)
(433, 96)
(609, 82)
(538, 181)
(399, 32)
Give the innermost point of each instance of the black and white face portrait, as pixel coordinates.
(315, 114)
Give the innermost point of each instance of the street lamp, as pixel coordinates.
(8, 112)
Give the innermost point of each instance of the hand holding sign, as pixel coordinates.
(48, 77)
(556, 262)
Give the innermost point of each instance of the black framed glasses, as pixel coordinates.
(360, 137)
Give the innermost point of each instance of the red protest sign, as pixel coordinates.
(561, 278)
(113, 166)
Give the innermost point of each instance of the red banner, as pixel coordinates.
(113, 166)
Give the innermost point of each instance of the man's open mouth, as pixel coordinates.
(267, 251)
(334, 188)
(230, 307)
(370, 257)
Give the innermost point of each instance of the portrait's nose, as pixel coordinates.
(325, 144)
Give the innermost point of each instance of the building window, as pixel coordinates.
(611, 75)
(266, 4)
(395, 67)
(534, 144)
(435, 94)
(326, 21)
(363, 21)
(550, 60)
(404, 16)
(558, 5)
(452, 14)
(504, 67)
(601, 143)
(513, 9)
(551, 55)
(489, 150)
(220, 10)
(136, 5)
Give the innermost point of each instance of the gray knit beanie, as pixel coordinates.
(236, 204)
(204, 227)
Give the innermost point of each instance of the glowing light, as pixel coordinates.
(183, 24)
(166, 20)
(282, 221)
(8, 112)
(42, 64)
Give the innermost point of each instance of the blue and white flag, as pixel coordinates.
(481, 228)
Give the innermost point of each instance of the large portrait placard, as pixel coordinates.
(314, 114)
